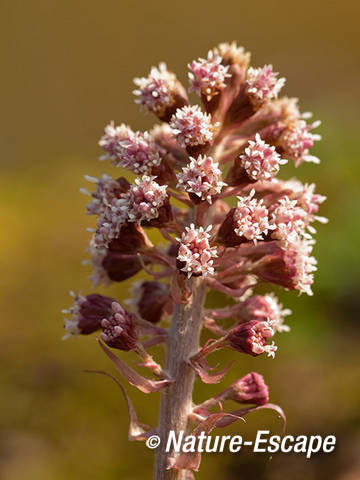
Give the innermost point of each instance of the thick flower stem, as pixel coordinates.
(176, 402)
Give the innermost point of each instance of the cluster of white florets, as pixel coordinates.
(305, 196)
(144, 199)
(298, 258)
(208, 76)
(138, 153)
(155, 93)
(111, 140)
(231, 53)
(251, 218)
(290, 221)
(297, 139)
(141, 203)
(192, 127)
(260, 160)
(276, 313)
(195, 251)
(262, 85)
(202, 177)
(109, 224)
(107, 189)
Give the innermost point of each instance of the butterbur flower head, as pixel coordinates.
(111, 139)
(86, 314)
(201, 177)
(208, 76)
(146, 200)
(297, 139)
(151, 300)
(261, 161)
(251, 218)
(289, 220)
(285, 108)
(262, 85)
(119, 331)
(160, 93)
(298, 259)
(231, 54)
(138, 152)
(109, 224)
(267, 307)
(252, 337)
(192, 127)
(291, 267)
(195, 256)
(250, 389)
(107, 190)
(305, 195)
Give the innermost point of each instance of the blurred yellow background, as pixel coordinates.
(67, 70)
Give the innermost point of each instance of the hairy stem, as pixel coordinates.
(176, 402)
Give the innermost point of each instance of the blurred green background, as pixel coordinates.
(67, 70)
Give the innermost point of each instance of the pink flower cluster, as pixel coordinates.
(208, 184)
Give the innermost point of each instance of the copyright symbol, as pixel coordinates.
(153, 442)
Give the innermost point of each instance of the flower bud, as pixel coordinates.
(87, 314)
(120, 266)
(151, 300)
(119, 330)
(131, 239)
(226, 234)
(251, 338)
(249, 389)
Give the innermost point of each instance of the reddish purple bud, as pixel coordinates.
(119, 330)
(251, 337)
(120, 266)
(152, 300)
(250, 389)
(87, 314)
(237, 175)
(132, 239)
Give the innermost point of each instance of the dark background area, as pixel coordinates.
(67, 70)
